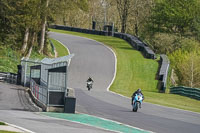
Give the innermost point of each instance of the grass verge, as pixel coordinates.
(134, 71)
(2, 131)
(2, 123)
(9, 59)
(60, 49)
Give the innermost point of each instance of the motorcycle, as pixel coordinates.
(89, 85)
(137, 101)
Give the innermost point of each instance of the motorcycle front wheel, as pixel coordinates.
(135, 108)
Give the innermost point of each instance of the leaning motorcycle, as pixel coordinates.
(137, 101)
(89, 85)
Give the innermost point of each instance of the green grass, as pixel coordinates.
(2, 131)
(61, 50)
(2, 123)
(134, 71)
(8, 60)
(36, 55)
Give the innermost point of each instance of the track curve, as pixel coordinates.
(93, 59)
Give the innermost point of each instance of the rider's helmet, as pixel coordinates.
(89, 79)
(139, 90)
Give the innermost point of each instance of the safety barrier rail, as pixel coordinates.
(186, 91)
(8, 77)
(52, 46)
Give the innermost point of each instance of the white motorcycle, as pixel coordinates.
(89, 85)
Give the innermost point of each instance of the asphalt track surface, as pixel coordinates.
(95, 60)
(16, 109)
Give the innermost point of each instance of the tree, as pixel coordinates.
(8, 20)
(72, 13)
(189, 70)
(44, 22)
(30, 20)
(123, 7)
(52, 7)
(174, 16)
(139, 14)
(186, 63)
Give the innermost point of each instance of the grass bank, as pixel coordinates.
(2, 131)
(60, 49)
(2, 123)
(9, 58)
(134, 71)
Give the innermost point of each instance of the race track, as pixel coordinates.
(16, 109)
(95, 60)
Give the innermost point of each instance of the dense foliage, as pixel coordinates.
(24, 22)
(174, 29)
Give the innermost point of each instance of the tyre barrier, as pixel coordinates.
(193, 93)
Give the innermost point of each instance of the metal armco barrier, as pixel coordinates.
(8, 77)
(186, 91)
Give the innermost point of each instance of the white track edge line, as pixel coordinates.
(18, 127)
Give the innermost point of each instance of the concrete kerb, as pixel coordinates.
(96, 126)
(77, 122)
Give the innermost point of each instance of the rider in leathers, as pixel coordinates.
(134, 94)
